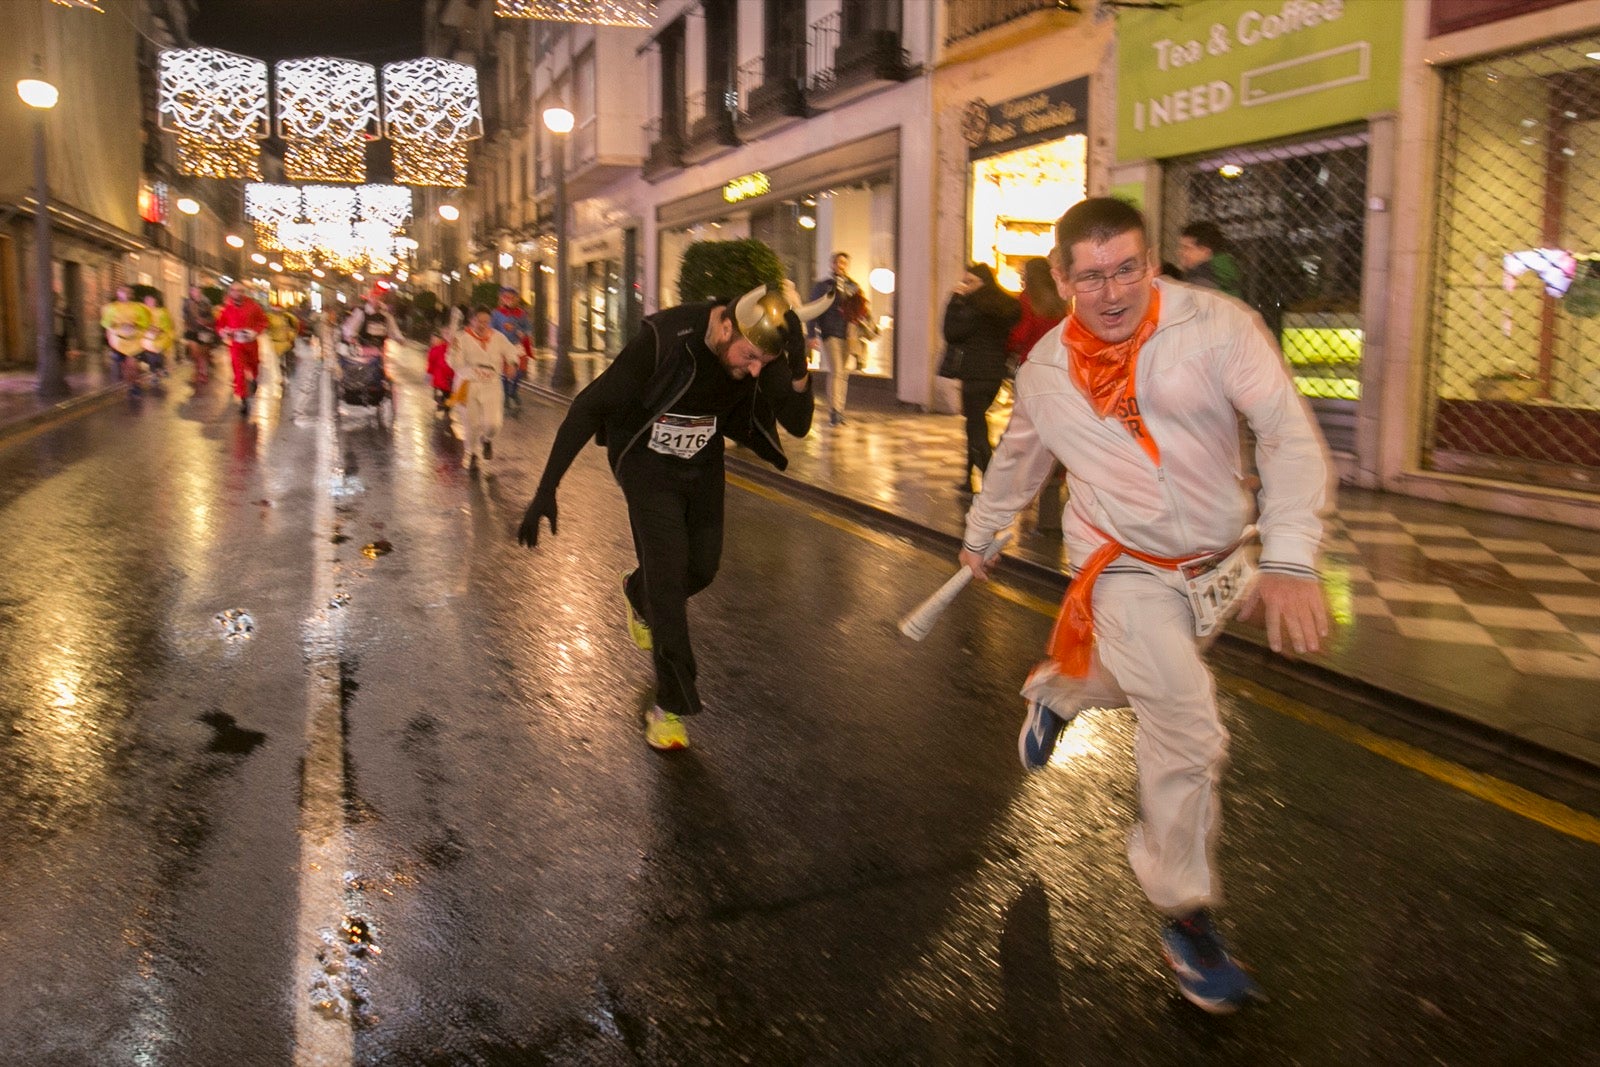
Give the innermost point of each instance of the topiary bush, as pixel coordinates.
(726, 270)
(485, 295)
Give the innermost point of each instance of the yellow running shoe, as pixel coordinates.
(638, 629)
(664, 730)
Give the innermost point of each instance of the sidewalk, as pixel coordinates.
(1489, 622)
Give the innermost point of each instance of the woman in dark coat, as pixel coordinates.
(977, 321)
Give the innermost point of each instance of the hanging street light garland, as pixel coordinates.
(637, 14)
(430, 111)
(346, 228)
(216, 102)
(327, 110)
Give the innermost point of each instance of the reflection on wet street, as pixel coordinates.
(303, 753)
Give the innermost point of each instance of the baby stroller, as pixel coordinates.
(362, 382)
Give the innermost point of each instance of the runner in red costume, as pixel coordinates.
(240, 322)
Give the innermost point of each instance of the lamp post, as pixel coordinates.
(42, 96)
(451, 214)
(236, 243)
(558, 120)
(190, 208)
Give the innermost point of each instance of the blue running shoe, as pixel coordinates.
(1207, 975)
(1040, 731)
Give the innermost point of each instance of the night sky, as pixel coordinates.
(374, 31)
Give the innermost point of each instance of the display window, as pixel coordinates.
(1017, 197)
(807, 230)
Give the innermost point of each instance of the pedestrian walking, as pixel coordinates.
(199, 332)
(1042, 310)
(1139, 398)
(480, 357)
(124, 321)
(1207, 259)
(241, 322)
(512, 321)
(977, 324)
(841, 329)
(693, 375)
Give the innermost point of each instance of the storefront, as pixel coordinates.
(843, 200)
(1512, 364)
(1028, 161)
(1258, 117)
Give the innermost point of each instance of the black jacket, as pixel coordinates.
(650, 374)
(979, 323)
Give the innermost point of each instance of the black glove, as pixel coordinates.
(543, 506)
(794, 345)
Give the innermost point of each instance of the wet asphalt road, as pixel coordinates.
(847, 867)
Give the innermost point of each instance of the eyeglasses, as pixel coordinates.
(1126, 274)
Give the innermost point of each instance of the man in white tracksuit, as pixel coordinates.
(479, 355)
(1138, 396)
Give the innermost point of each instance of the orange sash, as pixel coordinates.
(1072, 639)
(1105, 371)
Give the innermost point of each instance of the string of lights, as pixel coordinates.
(638, 14)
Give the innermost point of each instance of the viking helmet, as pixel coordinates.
(759, 314)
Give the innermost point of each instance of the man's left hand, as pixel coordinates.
(1291, 605)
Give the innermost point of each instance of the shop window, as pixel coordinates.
(1513, 356)
(1016, 199)
(1292, 219)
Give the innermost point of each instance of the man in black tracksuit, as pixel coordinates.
(690, 378)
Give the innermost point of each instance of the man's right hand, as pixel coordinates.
(543, 506)
(978, 563)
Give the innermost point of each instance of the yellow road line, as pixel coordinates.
(1512, 798)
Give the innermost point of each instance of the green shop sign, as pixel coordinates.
(1225, 72)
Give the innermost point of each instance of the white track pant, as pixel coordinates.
(482, 414)
(1146, 656)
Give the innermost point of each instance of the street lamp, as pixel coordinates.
(190, 208)
(451, 213)
(42, 96)
(558, 120)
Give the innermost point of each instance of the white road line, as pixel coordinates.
(323, 1035)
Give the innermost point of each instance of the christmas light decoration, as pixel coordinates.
(202, 158)
(271, 204)
(430, 111)
(331, 205)
(634, 13)
(425, 163)
(87, 5)
(216, 102)
(388, 204)
(324, 161)
(327, 109)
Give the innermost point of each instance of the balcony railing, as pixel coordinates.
(771, 92)
(839, 69)
(710, 125)
(968, 18)
(663, 148)
(823, 46)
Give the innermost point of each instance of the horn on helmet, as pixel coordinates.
(807, 312)
(747, 312)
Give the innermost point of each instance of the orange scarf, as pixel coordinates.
(1103, 370)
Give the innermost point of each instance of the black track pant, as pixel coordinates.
(675, 508)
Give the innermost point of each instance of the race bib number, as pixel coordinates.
(682, 435)
(126, 330)
(244, 337)
(378, 329)
(1216, 585)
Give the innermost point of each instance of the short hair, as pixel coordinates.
(481, 310)
(846, 255)
(1098, 219)
(983, 272)
(1206, 234)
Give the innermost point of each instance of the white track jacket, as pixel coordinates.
(1209, 358)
